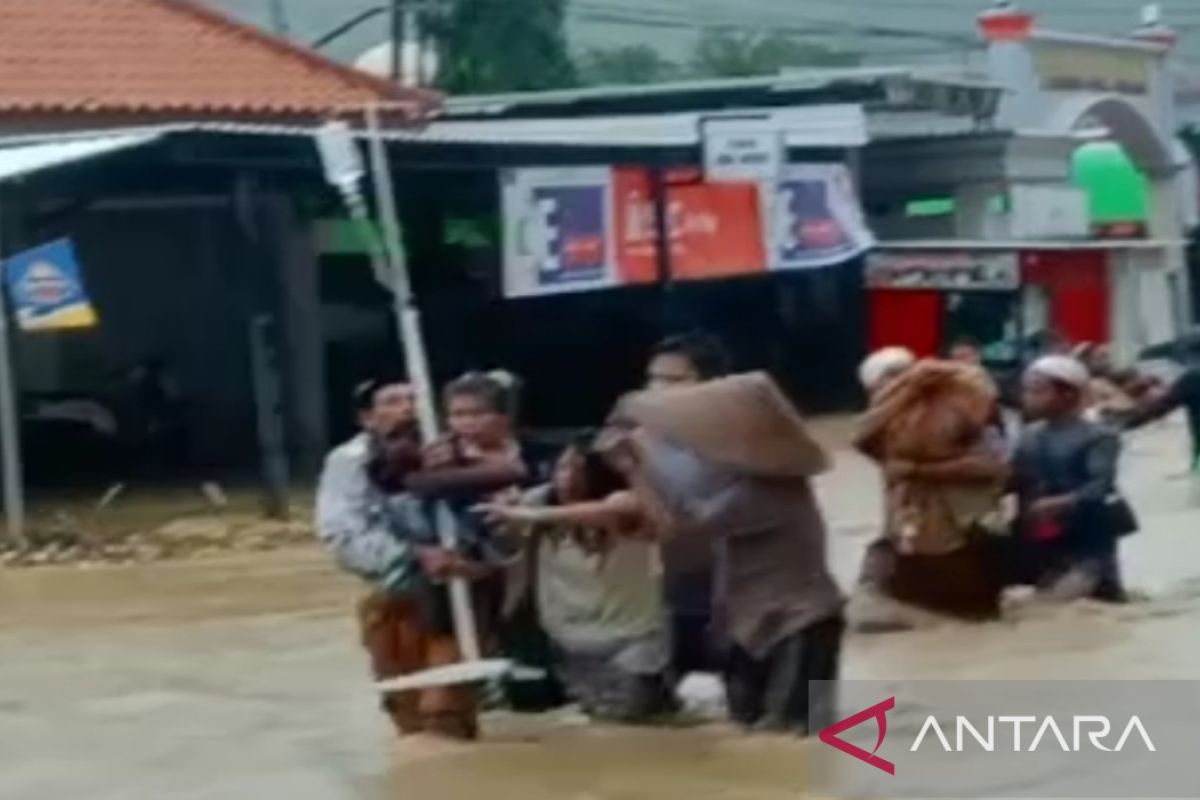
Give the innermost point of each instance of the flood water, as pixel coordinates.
(240, 677)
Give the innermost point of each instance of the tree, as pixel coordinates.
(505, 46)
(631, 64)
(728, 54)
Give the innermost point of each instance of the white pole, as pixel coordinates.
(415, 358)
(10, 433)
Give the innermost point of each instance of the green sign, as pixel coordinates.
(1117, 191)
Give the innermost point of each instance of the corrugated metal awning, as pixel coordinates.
(838, 125)
(823, 126)
(17, 161)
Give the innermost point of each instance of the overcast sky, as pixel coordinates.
(886, 30)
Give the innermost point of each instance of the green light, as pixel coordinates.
(930, 207)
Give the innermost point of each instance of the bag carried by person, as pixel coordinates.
(1120, 517)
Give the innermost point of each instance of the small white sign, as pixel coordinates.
(1049, 212)
(946, 271)
(742, 149)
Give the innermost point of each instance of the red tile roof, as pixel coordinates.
(166, 57)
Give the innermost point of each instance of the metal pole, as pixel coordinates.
(416, 360)
(10, 431)
(399, 19)
(279, 19)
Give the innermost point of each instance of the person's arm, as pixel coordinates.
(1159, 406)
(1100, 467)
(483, 477)
(355, 531)
(619, 511)
(969, 469)
(985, 463)
(1100, 471)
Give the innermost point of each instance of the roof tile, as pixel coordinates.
(167, 56)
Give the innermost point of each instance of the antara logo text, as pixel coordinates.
(1028, 734)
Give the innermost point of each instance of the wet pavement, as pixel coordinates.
(239, 677)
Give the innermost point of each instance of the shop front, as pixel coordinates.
(1008, 299)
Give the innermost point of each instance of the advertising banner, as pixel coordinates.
(47, 290)
(578, 229)
(714, 229)
(816, 219)
(557, 230)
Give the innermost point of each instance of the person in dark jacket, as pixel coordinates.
(1065, 471)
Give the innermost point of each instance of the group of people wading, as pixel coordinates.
(684, 536)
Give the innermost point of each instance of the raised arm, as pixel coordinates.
(1163, 404)
(482, 477)
(620, 511)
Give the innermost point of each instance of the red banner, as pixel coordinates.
(715, 230)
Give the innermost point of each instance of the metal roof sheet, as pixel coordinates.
(23, 159)
(834, 126)
(841, 125)
(790, 80)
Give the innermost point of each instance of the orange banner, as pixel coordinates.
(715, 230)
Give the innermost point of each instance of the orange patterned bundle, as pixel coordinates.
(933, 411)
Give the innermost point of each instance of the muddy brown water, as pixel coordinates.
(239, 677)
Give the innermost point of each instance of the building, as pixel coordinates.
(188, 247)
(1013, 235)
(804, 319)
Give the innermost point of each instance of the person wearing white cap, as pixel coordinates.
(882, 366)
(1065, 471)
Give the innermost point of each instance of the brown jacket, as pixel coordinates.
(731, 460)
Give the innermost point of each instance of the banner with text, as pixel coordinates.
(1004, 739)
(713, 228)
(577, 229)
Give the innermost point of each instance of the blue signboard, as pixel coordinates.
(558, 230)
(574, 248)
(46, 289)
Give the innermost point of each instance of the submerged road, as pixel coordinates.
(236, 678)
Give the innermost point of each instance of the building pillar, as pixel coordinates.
(1007, 30)
(1128, 333)
(1166, 283)
(303, 342)
(1167, 225)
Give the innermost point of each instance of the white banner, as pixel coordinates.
(814, 218)
(558, 231)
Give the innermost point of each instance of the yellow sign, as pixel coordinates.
(1065, 67)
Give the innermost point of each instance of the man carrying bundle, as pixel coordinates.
(932, 430)
(731, 461)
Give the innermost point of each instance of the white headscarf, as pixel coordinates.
(1063, 369)
(883, 363)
